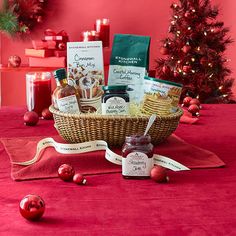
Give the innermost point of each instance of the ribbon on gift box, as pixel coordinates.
(50, 35)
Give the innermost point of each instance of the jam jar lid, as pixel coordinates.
(115, 87)
(138, 139)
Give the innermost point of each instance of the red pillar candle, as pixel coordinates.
(89, 36)
(38, 91)
(102, 26)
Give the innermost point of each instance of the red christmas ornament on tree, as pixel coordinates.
(66, 172)
(32, 207)
(186, 48)
(166, 69)
(187, 68)
(164, 50)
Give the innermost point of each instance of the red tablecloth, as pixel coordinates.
(196, 202)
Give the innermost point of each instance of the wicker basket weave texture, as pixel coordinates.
(77, 128)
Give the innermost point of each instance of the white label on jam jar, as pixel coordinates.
(137, 164)
(115, 106)
(68, 104)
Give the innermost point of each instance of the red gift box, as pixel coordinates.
(58, 53)
(39, 44)
(30, 52)
(47, 62)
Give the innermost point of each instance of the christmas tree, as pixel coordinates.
(194, 52)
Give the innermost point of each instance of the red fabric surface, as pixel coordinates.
(196, 202)
(95, 162)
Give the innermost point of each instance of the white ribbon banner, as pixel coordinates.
(97, 145)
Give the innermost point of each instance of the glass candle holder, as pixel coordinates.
(38, 91)
(102, 26)
(89, 36)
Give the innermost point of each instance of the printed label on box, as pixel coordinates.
(85, 67)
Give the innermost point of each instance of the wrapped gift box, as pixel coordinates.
(30, 52)
(47, 62)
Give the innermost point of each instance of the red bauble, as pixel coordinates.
(186, 101)
(164, 51)
(176, 73)
(195, 101)
(166, 69)
(14, 61)
(187, 14)
(32, 207)
(61, 46)
(31, 118)
(187, 68)
(46, 114)
(194, 109)
(203, 61)
(159, 174)
(186, 48)
(39, 19)
(79, 179)
(66, 172)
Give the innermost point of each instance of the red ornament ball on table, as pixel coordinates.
(66, 172)
(32, 207)
(46, 114)
(14, 61)
(194, 109)
(79, 179)
(195, 101)
(186, 101)
(31, 118)
(159, 174)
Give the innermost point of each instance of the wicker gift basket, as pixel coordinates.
(77, 128)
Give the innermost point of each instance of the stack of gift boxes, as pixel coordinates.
(50, 51)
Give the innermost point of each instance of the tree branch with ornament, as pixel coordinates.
(193, 52)
(19, 17)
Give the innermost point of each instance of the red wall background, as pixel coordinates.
(142, 17)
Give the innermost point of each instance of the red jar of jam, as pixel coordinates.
(137, 157)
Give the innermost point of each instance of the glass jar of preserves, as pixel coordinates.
(115, 100)
(137, 157)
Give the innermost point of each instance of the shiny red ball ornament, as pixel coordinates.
(194, 109)
(176, 73)
(187, 14)
(14, 61)
(186, 101)
(61, 46)
(187, 68)
(164, 51)
(203, 61)
(159, 174)
(46, 114)
(66, 172)
(32, 207)
(165, 69)
(186, 48)
(79, 179)
(195, 101)
(31, 118)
